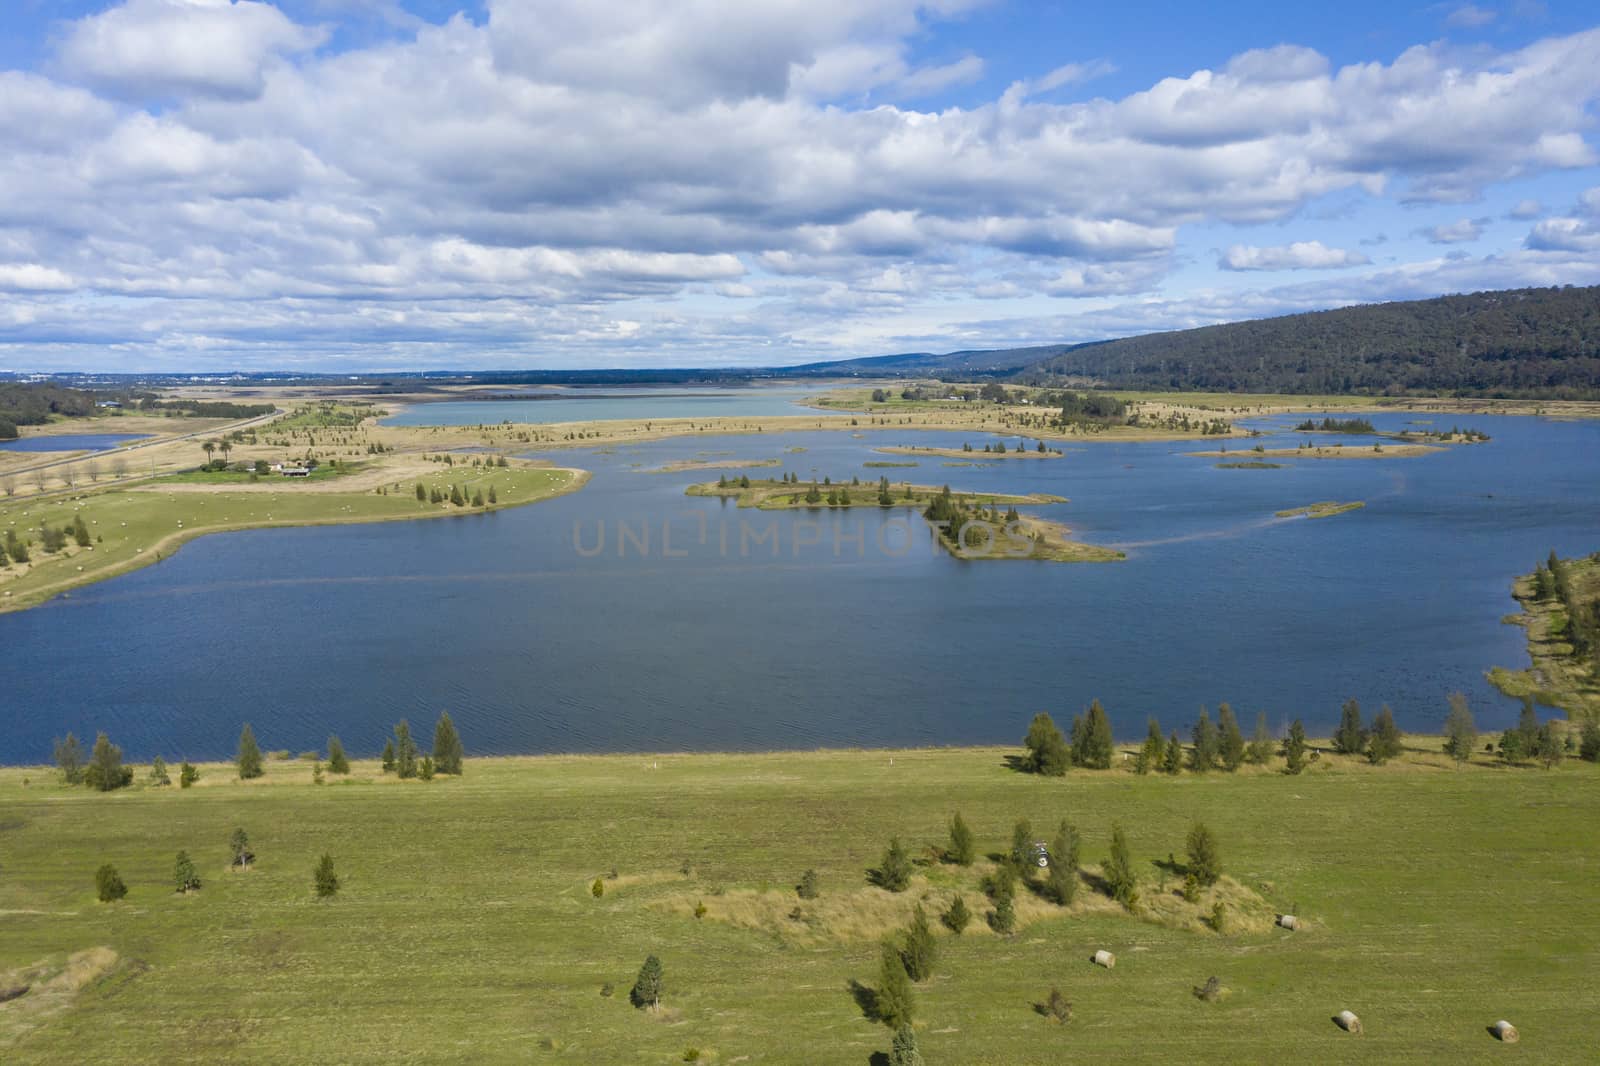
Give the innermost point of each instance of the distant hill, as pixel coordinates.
(1517, 342)
(973, 363)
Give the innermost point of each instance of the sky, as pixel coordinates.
(355, 185)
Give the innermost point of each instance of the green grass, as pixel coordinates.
(323, 472)
(1437, 901)
(1322, 509)
(326, 416)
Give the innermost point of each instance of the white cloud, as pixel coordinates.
(1526, 209)
(1460, 231)
(1301, 255)
(1471, 16)
(31, 277)
(175, 47)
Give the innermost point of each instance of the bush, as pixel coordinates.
(597, 889)
(903, 1050)
(324, 880)
(1047, 748)
(894, 1004)
(185, 878)
(1203, 861)
(188, 774)
(1003, 919)
(957, 917)
(1589, 746)
(962, 849)
(1056, 1007)
(646, 991)
(894, 873)
(808, 887)
(920, 951)
(108, 884)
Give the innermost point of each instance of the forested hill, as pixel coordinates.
(1517, 342)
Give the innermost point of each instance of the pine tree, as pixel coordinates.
(1201, 849)
(956, 917)
(1350, 738)
(105, 770)
(1589, 746)
(1003, 919)
(1261, 743)
(962, 849)
(338, 762)
(1047, 748)
(446, 746)
(1294, 748)
(903, 1050)
(158, 772)
(425, 768)
(239, 847)
(1528, 726)
(1547, 747)
(1119, 873)
(188, 774)
(405, 751)
(1460, 731)
(646, 991)
(184, 876)
(894, 873)
(1230, 742)
(1061, 884)
(1097, 736)
(249, 757)
(921, 952)
(1151, 751)
(323, 879)
(1384, 743)
(388, 757)
(1021, 854)
(108, 884)
(895, 1003)
(1204, 755)
(69, 757)
(1172, 760)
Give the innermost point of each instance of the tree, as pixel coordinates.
(894, 1002)
(405, 751)
(1261, 742)
(808, 888)
(894, 873)
(323, 879)
(1172, 761)
(1047, 748)
(1061, 883)
(1149, 757)
(1119, 873)
(1547, 747)
(249, 757)
(338, 762)
(425, 768)
(108, 884)
(184, 876)
(1384, 742)
(1511, 746)
(962, 848)
(69, 757)
(188, 774)
(903, 1050)
(646, 991)
(1294, 748)
(1460, 731)
(1528, 726)
(446, 746)
(239, 847)
(1204, 755)
(105, 770)
(158, 772)
(1201, 849)
(1589, 746)
(920, 951)
(422, 493)
(1350, 738)
(388, 757)
(1094, 748)
(956, 917)
(1021, 854)
(1230, 741)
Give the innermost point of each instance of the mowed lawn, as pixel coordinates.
(1437, 901)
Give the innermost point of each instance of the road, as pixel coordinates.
(217, 431)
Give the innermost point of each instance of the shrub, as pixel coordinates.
(324, 880)
(1119, 873)
(1294, 748)
(646, 991)
(338, 762)
(903, 1050)
(105, 770)
(962, 849)
(921, 951)
(894, 873)
(598, 889)
(1201, 848)
(808, 887)
(1384, 743)
(1047, 748)
(108, 884)
(957, 917)
(894, 1003)
(249, 757)
(1003, 919)
(1056, 1007)
(188, 774)
(158, 772)
(700, 908)
(184, 876)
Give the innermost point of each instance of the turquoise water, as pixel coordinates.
(830, 630)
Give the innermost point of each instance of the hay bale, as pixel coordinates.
(1347, 1021)
(1106, 959)
(1505, 1032)
(1289, 922)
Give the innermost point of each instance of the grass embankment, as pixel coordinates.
(1322, 509)
(1336, 451)
(1555, 679)
(681, 465)
(1249, 466)
(140, 524)
(1436, 901)
(971, 453)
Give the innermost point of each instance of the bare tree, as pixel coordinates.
(39, 479)
(9, 484)
(119, 468)
(93, 470)
(69, 475)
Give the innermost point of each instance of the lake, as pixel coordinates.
(69, 442)
(605, 404)
(537, 636)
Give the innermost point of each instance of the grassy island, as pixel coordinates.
(1334, 451)
(1561, 612)
(501, 916)
(1039, 451)
(1323, 509)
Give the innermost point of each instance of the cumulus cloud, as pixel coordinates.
(1458, 232)
(1301, 255)
(173, 47)
(1526, 209)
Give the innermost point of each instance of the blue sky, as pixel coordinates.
(375, 184)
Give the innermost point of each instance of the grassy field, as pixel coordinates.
(1436, 901)
(140, 524)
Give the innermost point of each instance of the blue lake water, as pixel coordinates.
(829, 630)
(77, 442)
(600, 404)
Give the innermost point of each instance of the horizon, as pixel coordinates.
(371, 187)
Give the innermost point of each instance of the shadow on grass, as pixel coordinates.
(866, 999)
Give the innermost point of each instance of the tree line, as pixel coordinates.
(1553, 583)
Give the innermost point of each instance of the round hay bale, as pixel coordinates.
(1289, 922)
(1505, 1032)
(1106, 959)
(1347, 1021)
